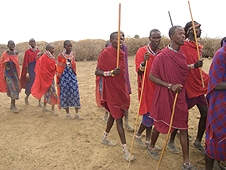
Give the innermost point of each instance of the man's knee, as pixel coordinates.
(119, 121)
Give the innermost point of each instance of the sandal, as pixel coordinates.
(129, 128)
(54, 113)
(68, 117)
(199, 147)
(77, 116)
(139, 142)
(188, 166)
(172, 148)
(107, 142)
(15, 110)
(127, 157)
(157, 148)
(153, 153)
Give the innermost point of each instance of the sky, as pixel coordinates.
(53, 20)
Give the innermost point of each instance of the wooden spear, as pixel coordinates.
(141, 94)
(168, 134)
(196, 43)
(119, 33)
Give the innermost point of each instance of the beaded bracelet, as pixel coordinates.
(191, 66)
(108, 73)
(142, 67)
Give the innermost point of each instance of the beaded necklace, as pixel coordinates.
(151, 51)
(172, 48)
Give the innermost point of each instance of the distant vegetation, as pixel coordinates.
(88, 50)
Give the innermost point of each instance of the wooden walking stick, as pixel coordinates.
(141, 94)
(118, 45)
(196, 43)
(168, 134)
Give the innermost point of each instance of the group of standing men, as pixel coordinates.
(38, 77)
(161, 74)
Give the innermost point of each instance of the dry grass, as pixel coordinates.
(88, 50)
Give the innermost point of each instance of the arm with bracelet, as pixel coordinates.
(198, 64)
(109, 73)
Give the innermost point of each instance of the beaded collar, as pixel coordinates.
(68, 56)
(172, 48)
(188, 40)
(151, 51)
(49, 54)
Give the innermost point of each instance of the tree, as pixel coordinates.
(136, 36)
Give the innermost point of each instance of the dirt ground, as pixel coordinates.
(38, 140)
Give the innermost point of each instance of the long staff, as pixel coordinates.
(168, 134)
(118, 45)
(196, 43)
(141, 94)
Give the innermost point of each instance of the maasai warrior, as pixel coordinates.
(9, 74)
(115, 96)
(44, 83)
(216, 117)
(126, 114)
(67, 84)
(169, 71)
(193, 85)
(146, 53)
(27, 74)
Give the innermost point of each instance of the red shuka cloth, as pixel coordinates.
(115, 92)
(29, 56)
(149, 86)
(193, 83)
(45, 71)
(4, 59)
(171, 67)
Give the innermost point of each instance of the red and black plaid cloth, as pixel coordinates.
(216, 118)
(171, 67)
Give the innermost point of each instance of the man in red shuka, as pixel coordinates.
(169, 72)
(115, 96)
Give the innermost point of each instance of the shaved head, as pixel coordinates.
(48, 46)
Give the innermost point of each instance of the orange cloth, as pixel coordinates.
(193, 82)
(149, 86)
(61, 64)
(4, 59)
(45, 71)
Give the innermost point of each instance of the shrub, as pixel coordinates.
(89, 49)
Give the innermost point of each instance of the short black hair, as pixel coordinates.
(32, 39)
(172, 30)
(66, 42)
(113, 34)
(10, 41)
(222, 41)
(153, 30)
